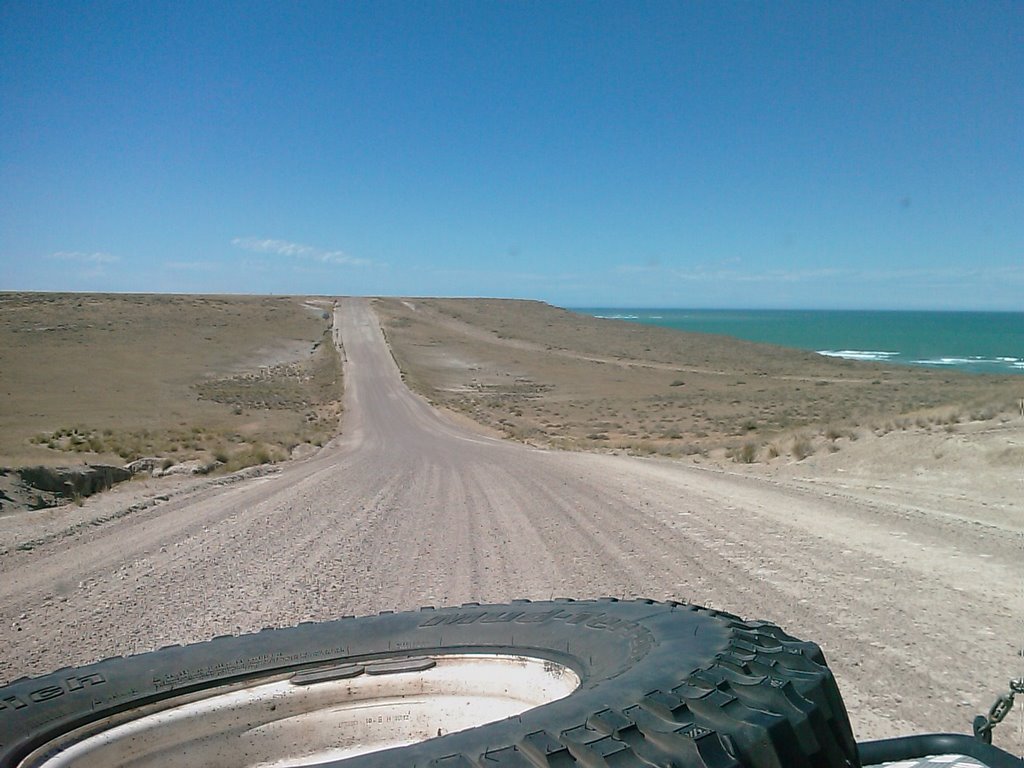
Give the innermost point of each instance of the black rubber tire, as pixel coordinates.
(662, 684)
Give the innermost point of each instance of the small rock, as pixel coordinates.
(145, 464)
(193, 467)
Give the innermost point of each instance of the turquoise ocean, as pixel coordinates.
(977, 342)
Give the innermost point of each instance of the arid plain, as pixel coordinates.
(876, 510)
(232, 381)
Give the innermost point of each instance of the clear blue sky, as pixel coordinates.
(698, 154)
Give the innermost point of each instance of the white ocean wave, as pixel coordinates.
(858, 354)
(944, 361)
(618, 317)
(970, 362)
(973, 360)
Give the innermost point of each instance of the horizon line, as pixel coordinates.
(569, 306)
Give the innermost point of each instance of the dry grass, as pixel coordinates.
(110, 378)
(549, 376)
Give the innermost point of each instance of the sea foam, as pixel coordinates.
(858, 354)
(972, 362)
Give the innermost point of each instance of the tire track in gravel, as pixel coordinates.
(407, 509)
(913, 635)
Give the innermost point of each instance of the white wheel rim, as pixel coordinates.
(330, 713)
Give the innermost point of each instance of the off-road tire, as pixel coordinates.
(661, 684)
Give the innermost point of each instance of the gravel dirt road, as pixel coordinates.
(919, 615)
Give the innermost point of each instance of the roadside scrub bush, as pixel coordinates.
(985, 413)
(743, 454)
(802, 448)
(641, 448)
(188, 442)
(523, 432)
(252, 455)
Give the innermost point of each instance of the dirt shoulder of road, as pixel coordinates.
(226, 381)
